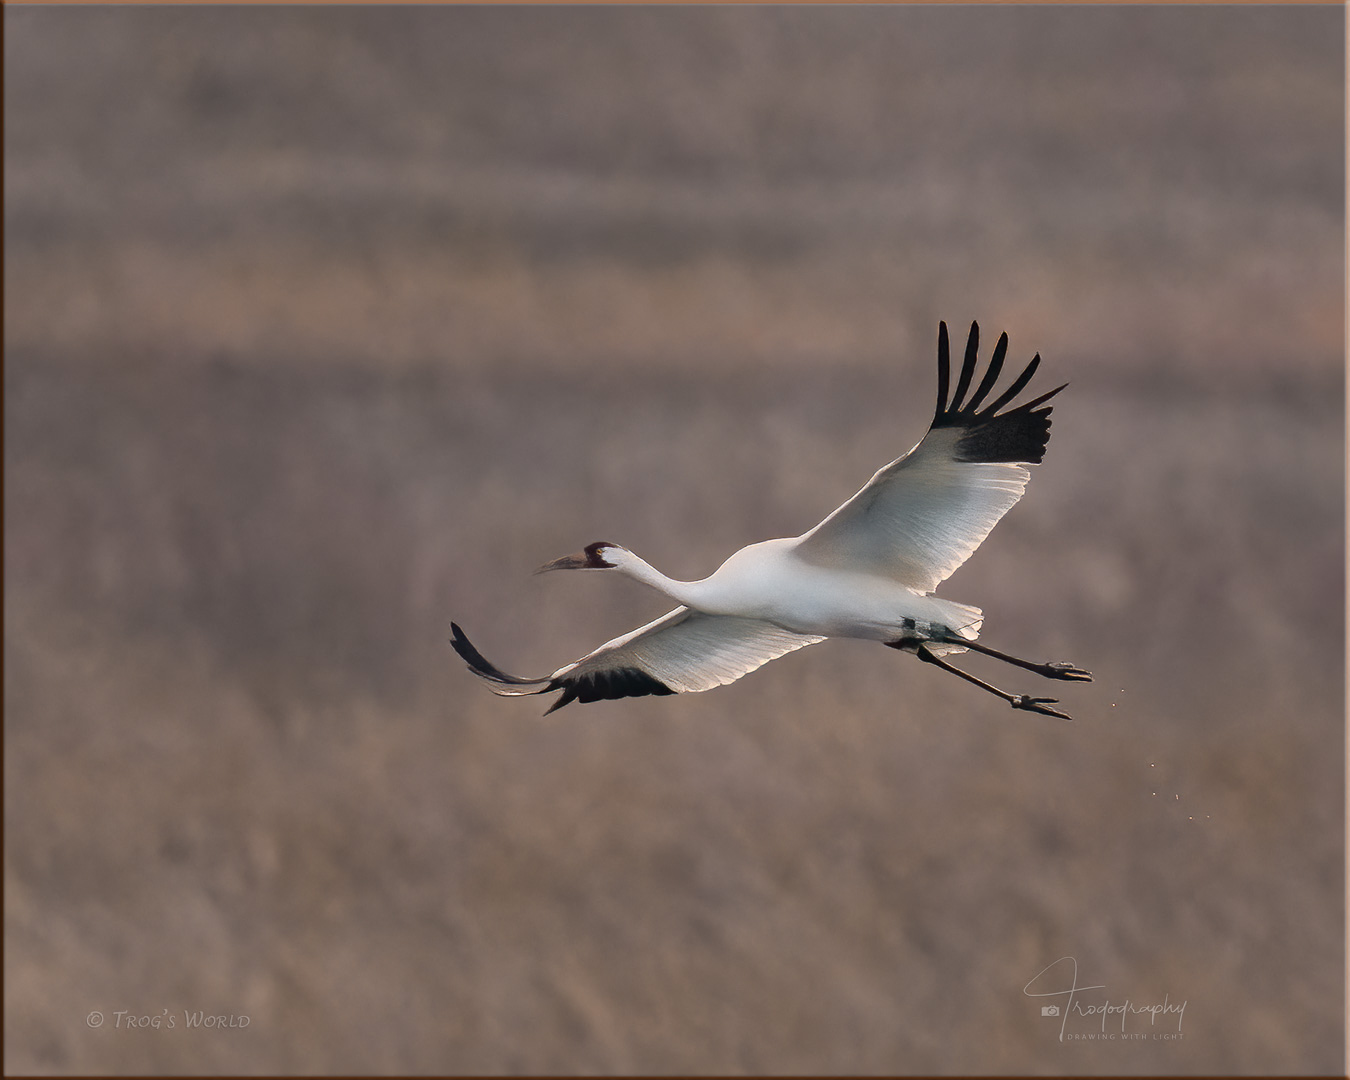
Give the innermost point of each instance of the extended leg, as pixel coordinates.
(1050, 670)
(1017, 701)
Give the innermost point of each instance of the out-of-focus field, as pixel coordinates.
(325, 326)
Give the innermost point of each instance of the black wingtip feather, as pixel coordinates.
(990, 376)
(1040, 400)
(944, 370)
(607, 686)
(1015, 436)
(592, 686)
(1020, 434)
(568, 695)
(479, 664)
(1018, 384)
(967, 368)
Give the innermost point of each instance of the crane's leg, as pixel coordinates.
(1017, 701)
(1049, 669)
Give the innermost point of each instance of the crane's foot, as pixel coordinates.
(1038, 705)
(1065, 671)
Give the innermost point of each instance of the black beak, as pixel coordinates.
(579, 561)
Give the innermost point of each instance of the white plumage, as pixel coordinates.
(866, 571)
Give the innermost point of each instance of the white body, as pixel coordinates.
(772, 582)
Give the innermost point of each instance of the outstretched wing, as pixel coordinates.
(924, 514)
(682, 652)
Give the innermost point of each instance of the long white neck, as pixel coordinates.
(690, 593)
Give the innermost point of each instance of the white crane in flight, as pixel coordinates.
(866, 571)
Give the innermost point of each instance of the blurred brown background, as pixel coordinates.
(325, 326)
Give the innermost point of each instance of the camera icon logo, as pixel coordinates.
(1049, 1010)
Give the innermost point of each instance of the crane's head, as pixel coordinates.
(598, 556)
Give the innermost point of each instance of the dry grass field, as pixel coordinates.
(325, 326)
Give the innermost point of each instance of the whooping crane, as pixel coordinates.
(866, 571)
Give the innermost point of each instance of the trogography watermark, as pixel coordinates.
(1059, 983)
(166, 1020)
